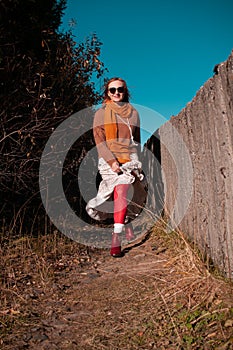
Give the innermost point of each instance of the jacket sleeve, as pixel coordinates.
(137, 135)
(100, 138)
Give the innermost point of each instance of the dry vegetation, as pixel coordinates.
(57, 294)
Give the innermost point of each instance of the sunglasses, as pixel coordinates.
(120, 89)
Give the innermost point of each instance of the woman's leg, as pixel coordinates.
(120, 203)
(120, 208)
(129, 234)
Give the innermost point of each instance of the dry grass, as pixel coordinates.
(57, 294)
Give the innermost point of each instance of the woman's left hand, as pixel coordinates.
(116, 167)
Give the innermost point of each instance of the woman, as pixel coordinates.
(116, 130)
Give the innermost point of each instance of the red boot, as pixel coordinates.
(129, 234)
(116, 246)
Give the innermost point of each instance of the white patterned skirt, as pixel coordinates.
(101, 207)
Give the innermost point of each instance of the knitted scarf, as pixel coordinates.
(124, 110)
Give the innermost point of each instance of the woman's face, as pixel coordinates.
(116, 91)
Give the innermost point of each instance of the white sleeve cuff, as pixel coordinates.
(133, 156)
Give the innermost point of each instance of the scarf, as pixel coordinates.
(120, 150)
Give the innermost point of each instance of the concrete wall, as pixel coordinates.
(197, 168)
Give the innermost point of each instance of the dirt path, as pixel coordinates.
(158, 296)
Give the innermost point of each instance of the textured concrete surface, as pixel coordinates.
(197, 168)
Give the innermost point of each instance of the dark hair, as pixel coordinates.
(126, 92)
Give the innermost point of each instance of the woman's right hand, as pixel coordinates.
(116, 167)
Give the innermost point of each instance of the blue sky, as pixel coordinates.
(165, 50)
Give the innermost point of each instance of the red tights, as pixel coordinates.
(120, 203)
